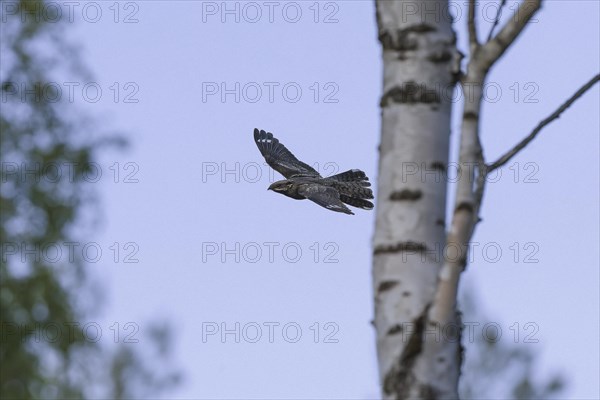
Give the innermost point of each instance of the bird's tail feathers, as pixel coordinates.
(353, 186)
(356, 202)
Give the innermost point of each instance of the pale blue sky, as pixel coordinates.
(170, 55)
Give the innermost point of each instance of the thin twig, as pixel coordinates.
(521, 145)
(496, 20)
(471, 25)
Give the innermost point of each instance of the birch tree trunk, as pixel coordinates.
(421, 67)
(416, 263)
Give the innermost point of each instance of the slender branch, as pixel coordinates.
(556, 114)
(471, 25)
(496, 20)
(494, 49)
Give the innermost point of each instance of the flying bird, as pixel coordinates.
(304, 182)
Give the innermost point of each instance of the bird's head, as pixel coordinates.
(280, 186)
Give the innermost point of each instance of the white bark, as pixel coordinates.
(421, 66)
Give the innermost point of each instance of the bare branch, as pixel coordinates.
(471, 25)
(556, 114)
(507, 35)
(496, 20)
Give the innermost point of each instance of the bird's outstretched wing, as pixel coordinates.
(325, 196)
(280, 158)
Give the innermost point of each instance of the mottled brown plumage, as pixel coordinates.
(304, 182)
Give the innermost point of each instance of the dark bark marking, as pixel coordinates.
(439, 57)
(395, 330)
(440, 222)
(470, 115)
(401, 42)
(405, 294)
(404, 39)
(463, 262)
(407, 37)
(406, 194)
(440, 166)
(386, 40)
(410, 93)
(464, 206)
(461, 348)
(386, 285)
(398, 378)
(400, 247)
(420, 28)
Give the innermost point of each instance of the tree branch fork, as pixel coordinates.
(470, 189)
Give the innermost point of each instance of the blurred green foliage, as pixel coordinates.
(37, 130)
(499, 368)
